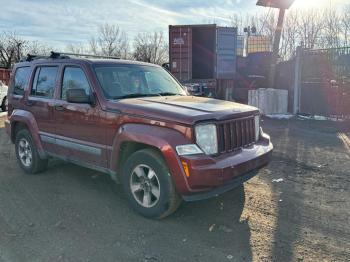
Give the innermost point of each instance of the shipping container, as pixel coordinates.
(259, 63)
(240, 49)
(5, 75)
(203, 54)
(258, 44)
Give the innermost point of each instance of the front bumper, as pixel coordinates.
(210, 177)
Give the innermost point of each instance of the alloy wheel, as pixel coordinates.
(25, 152)
(145, 186)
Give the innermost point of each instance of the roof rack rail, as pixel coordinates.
(61, 55)
(84, 55)
(53, 55)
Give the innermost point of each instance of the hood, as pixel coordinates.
(183, 109)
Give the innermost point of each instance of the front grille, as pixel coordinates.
(235, 134)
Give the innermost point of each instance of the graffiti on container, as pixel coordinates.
(179, 41)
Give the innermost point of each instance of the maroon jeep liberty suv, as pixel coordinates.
(135, 122)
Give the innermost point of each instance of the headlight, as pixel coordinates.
(257, 128)
(185, 150)
(206, 138)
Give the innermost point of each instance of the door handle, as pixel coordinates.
(29, 103)
(59, 107)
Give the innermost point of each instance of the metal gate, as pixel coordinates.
(325, 82)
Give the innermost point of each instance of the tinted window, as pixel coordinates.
(74, 78)
(21, 80)
(44, 81)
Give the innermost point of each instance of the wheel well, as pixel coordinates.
(128, 148)
(17, 126)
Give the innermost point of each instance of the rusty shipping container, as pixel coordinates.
(203, 54)
(5, 75)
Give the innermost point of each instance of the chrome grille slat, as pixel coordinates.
(235, 134)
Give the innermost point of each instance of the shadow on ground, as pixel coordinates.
(310, 221)
(71, 213)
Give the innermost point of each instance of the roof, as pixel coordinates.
(80, 60)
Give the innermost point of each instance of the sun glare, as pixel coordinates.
(314, 3)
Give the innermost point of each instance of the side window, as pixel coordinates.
(21, 80)
(44, 81)
(74, 78)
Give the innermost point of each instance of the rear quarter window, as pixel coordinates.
(21, 80)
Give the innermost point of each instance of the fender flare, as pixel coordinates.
(162, 138)
(27, 118)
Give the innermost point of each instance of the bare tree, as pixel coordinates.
(151, 48)
(78, 48)
(13, 48)
(93, 46)
(313, 28)
(35, 48)
(345, 25)
(332, 29)
(236, 20)
(111, 41)
(10, 48)
(290, 36)
(310, 26)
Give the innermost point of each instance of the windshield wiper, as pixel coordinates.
(134, 96)
(167, 94)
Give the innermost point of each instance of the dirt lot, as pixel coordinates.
(74, 214)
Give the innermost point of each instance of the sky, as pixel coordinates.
(62, 22)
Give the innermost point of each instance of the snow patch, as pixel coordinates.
(280, 116)
(320, 118)
(277, 180)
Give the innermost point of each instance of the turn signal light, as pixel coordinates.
(186, 169)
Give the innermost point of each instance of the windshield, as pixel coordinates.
(126, 81)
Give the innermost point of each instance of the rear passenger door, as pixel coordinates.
(80, 131)
(40, 103)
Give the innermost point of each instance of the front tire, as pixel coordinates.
(148, 185)
(27, 153)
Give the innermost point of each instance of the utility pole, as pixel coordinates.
(276, 47)
(282, 5)
(297, 73)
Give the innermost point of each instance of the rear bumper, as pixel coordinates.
(210, 177)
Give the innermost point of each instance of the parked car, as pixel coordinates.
(135, 122)
(199, 89)
(3, 96)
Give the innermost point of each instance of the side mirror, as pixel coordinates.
(166, 66)
(78, 96)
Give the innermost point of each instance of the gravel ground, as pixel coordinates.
(296, 209)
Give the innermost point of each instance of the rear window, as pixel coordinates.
(21, 80)
(44, 81)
